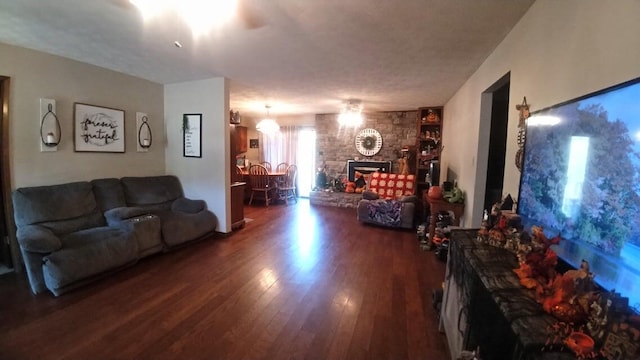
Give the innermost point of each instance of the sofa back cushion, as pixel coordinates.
(392, 186)
(109, 193)
(62, 208)
(152, 191)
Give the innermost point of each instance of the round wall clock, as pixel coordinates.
(368, 142)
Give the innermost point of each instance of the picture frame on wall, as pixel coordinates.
(192, 135)
(253, 143)
(98, 129)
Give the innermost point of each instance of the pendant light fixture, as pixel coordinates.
(268, 125)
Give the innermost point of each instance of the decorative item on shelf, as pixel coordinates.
(455, 195)
(432, 117)
(50, 131)
(145, 137)
(524, 114)
(234, 117)
(268, 125)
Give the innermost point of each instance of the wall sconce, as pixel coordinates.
(50, 131)
(145, 138)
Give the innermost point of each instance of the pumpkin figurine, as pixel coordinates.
(435, 193)
(351, 187)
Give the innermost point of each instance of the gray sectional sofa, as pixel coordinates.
(70, 234)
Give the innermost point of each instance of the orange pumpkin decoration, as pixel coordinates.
(435, 192)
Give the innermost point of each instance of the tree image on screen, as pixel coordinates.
(592, 205)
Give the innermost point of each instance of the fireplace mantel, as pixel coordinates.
(366, 167)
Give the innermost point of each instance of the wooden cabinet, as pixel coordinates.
(428, 147)
(241, 139)
(238, 137)
(237, 205)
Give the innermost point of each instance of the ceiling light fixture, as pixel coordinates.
(200, 15)
(351, 114)
(267, 125)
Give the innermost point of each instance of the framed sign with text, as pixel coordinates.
(98, 129)
(192, 135)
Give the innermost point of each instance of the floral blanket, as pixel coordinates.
(385, 211)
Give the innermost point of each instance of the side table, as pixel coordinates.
(437, 205)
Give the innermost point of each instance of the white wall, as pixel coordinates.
(558, 51)
(207, 177)
(36, 75)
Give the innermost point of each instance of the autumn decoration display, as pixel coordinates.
(592, 323)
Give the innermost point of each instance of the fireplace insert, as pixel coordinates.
(366, 167)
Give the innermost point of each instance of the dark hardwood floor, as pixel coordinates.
(298, 282)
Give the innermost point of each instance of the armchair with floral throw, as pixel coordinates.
(389, 201)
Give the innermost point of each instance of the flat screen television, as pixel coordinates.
(581, 179)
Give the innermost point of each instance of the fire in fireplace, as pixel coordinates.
(366, 167)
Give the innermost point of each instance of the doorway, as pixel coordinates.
(306, 154)
(8, 248)
(496, 104)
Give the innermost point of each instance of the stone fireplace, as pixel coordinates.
(336, 145)
(366, 167)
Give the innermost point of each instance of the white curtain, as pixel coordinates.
(280, 147)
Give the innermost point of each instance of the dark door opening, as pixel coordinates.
(497, 143)
(8, 248)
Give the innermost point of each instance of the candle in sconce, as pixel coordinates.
(145, 142)
(51, 139)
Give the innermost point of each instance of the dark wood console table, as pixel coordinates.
(435, 206)
(485, 306)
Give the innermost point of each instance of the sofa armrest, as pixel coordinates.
(116, 215)
(188, 205)
(38, 239)
(370, 195)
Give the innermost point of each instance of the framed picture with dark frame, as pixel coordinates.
(253, 143)
(192, 135)
(98, 129)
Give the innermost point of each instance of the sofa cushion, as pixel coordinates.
(109, 193)
(40, 204)
(62, 227)
(180, 227)
(152, 190)
(86, 253)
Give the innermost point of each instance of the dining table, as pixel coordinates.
(272, 174)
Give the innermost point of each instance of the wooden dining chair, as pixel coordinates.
(282, 167)
(260, 183)
(267, 165)
(288, 189)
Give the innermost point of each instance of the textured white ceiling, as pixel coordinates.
(308, 57)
